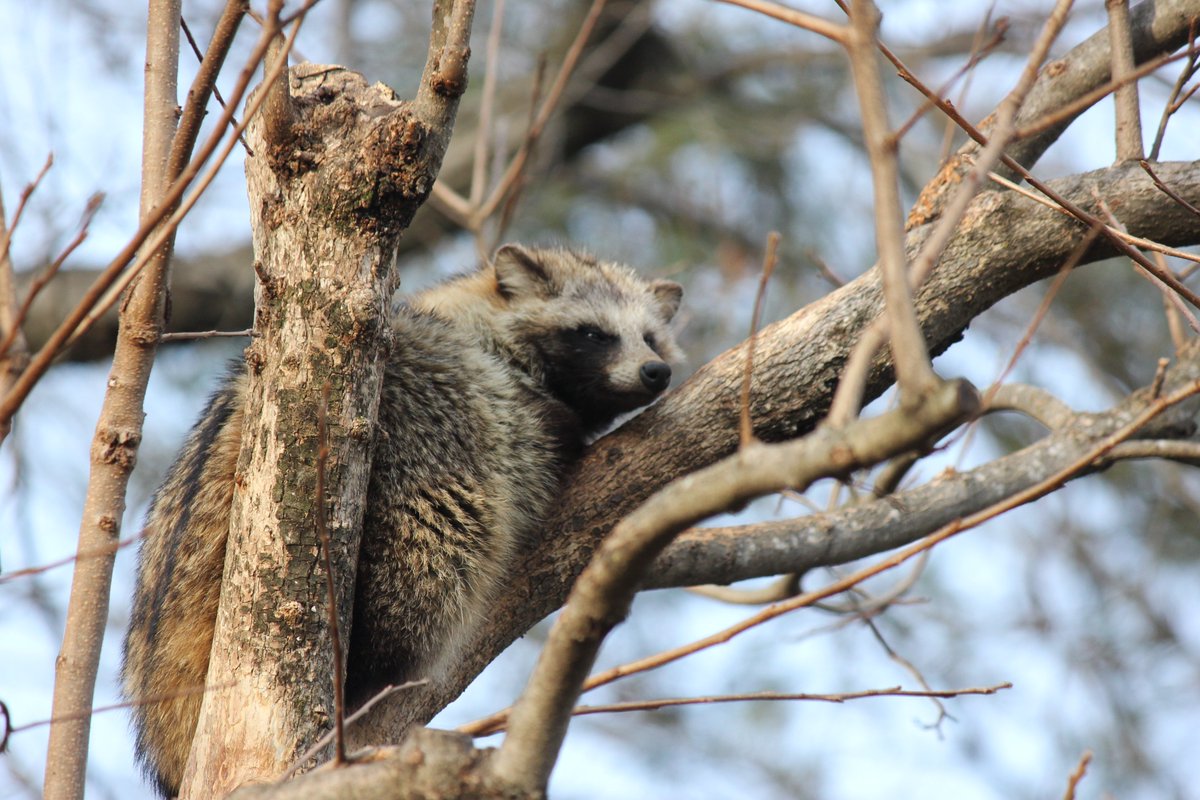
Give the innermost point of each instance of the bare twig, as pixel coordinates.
(277, 111)
(1129, 116)
(1175, 100)
(979, 51)
(39, 283)
(910, 667)
(1077, 775)
(783, 587)
(9, 229)
(479, 168)
(1167, 190)
(769, 258)
(1071, 208)
(809, 22)
(188, 336)
(849, 394)
(914, 373)
(517, 166)
(1043, 487)
(1171, 298)
(1133, 241)
(835, 280)
(14, 353)
(216, 92)
(1033, 402)
(105, 550)
(1085, 101)
(321, 743)
(1160, 375)
(479, 729)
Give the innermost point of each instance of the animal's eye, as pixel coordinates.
(593, 334)
(650, 341)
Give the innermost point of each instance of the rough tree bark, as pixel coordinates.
(339, 169)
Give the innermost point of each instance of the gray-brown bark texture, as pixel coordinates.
(339, 169)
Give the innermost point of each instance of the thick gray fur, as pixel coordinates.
(495, 379)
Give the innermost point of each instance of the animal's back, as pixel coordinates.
(466, 461)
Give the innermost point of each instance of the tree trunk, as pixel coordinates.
(339, 169)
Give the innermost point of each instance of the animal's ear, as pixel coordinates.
(668, 294)
(520, 273)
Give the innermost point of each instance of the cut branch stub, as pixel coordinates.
(364, 154)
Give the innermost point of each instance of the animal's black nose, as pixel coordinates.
(655, 375)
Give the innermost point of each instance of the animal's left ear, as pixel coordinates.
(520, 273)
(668, 294)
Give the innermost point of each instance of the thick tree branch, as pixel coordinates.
(723, 555)
(1005, 242)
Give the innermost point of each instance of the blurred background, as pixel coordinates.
(691, 130)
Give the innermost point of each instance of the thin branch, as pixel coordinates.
(41, 281)
(104, 550)
(910, 356)
(477, 729)
(1071, 208)
(517, 166)
(14, 352)
(188, 336)
(1167, 190)
(850, 391)
(321, 743)
(1077, 775)
(1174, 100)
(1129, 116)
(200, 58)
(907, 665)
(9, 229)
(1109, 231)
(1184, 452)
(1075, 107)
(1033, 402)
(979, 52)
(1153, 277)
(809, 22)
(278, 114)
(1098, 451)
(479, 167)
(780, 589)
(118, 430)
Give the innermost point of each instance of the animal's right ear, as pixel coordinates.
(520, 273)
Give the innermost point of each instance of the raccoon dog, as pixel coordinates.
(495, 380)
